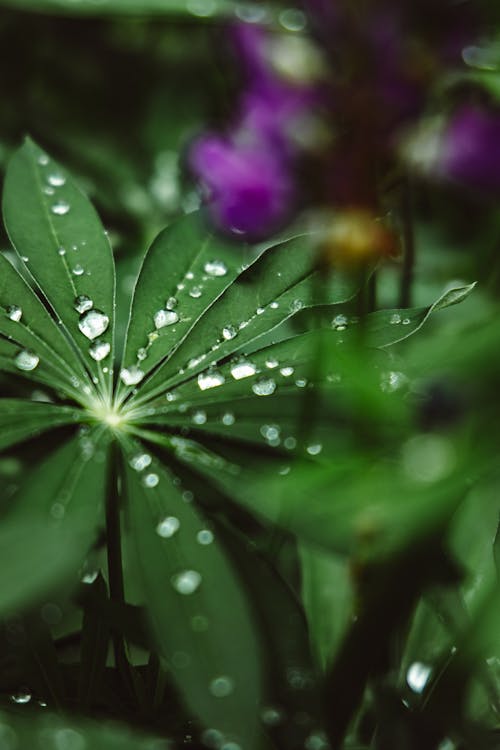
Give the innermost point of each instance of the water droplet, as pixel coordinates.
(272, 363)
(229, 332)
(141, 461)
(228, 419)
(142, 354)
(210, 379)
(199, 417)
(150, 480)
(195, 292)
(286, 371)
(296, 305)
(90, 577)
(14, 312)
(316, 741)
(132, 375)
(188, 496)
(314, 449)
(170, 396)
(417, 676)
(24, 258)
(242, 369)
(290, 443)
(221, 686)
(271, 433)
(339, 323)
(215, 268)
(171, 303)
(260, 310)
(21, 696)
(274, 305)
(186, 582)
(78, 270)
(62, 251)
(165, 318)
(99, 350)
(301, 383)
(93, 324)
(56, 180)
(43, 160)
(60, 208)
(392, 381)
(204, 537)
(395, 319)
(168, 527)
(264, 387)
(271, 716)
(26, 360)
(406, 321)
(292, 19)
(83, 303)
(212, 738)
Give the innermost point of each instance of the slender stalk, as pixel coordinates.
(407, 272)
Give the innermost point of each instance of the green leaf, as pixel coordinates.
(198, 612)
(281, 281)
(54, 226)
(51, 731)
(53, 521)
(25, 322)
(22, 420)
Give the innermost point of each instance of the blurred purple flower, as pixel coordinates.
(249, 190)
(470, 150)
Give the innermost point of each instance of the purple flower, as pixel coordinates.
(470, 148)
(249, 190)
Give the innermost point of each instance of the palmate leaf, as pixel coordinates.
(62, 244)
(197, 609)
(53, 520)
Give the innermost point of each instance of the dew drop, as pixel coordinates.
(132, 375)
(271, 716)
(199, 417)
(290, 443)
(339, 323)
(21, 696)
(274, 305)
(168, 527)
(242, 369)
(93, 324)
(60, 208)
(260, 310)
(150, 480)
(83, 304)
(210, 379)
(165, 318)
(417, 676)
(142, 354)
(314, 449)
(215, 268)
(43, 160)
(98, 350)
(392, 381)
(301, 383)
(195, 292)
(14, 312)
(78, 270)
(204, 537)
(171, 303)
(212, 738)
(140, 462)
(270, 432)
(229, 332)
(56, 180)
(272, 363)
(296, 305)
(286, 371)
(62, 251)
(395, 319)
(26, 360)
(186, 582)
(222, 686)
(264, 387)
(228, 419)
(406, 321)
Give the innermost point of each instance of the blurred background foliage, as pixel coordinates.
(403, 612)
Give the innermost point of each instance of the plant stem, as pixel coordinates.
(405, 297)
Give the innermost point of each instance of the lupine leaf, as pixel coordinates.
(54, 226)
(22, 420)
(197, 609)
